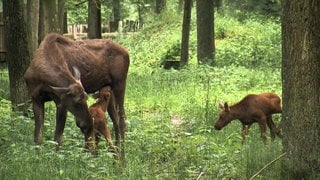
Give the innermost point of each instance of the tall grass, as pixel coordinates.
(170, 117)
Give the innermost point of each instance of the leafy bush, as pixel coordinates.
(251, 44)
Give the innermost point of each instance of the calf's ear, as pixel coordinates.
(96, 95)
(226, 107)
(221, 105)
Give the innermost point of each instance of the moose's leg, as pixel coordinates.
(61, 117)
(38, 110)
(119, 92)
(114, 117)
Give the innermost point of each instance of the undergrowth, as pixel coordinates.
(170, 114)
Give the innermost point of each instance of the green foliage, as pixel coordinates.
(170, 113)
(252, 43)
(245, 8)
(4, 84)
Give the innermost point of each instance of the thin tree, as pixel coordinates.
(301, 87)
(186, 32)
(48, 21)
(61, 15)
(33, 23)
(18, 52)
(94, 19)
(205, 32)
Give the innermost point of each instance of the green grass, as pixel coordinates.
(155, 147)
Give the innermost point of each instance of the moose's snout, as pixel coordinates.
(217, 127)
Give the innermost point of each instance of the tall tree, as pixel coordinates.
(94, 19)
(301, 87)
(205, 32)
(186, 32)
(18, 52)
(116, 14)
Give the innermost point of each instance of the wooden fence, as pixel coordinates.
(79, 31)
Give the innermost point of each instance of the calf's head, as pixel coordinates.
(225, 116)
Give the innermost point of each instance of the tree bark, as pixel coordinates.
(301, 87)
(61, 15)
(94, 19)
(160, 6)
(48, 21)
(33, 19)
(205, 32)
(18, 52)
(186, 32)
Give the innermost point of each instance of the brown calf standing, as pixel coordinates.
(98, 110)
(252, 108)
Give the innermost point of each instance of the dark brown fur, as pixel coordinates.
(50, 77)
(252, 108)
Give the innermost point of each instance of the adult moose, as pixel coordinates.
(252, 108)
(64, 70)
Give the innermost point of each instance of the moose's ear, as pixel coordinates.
(60, 90)
(76, 73)
(226, 107)
(221, 105)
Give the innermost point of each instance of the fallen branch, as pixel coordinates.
(200, 175)
(267, 165)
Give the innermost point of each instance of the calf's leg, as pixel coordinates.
(273, 129)
(263, 128)
(245, 129)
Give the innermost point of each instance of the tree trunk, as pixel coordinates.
(51, 22)
(116, 14)
(301, 87)
(18, 52)
(160, 6)
(33, 19)
(94, 19)
(186, 32)
(205, 32)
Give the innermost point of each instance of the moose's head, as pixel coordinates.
(225, 116)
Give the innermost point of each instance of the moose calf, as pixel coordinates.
(98, 110)
(252, 108)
